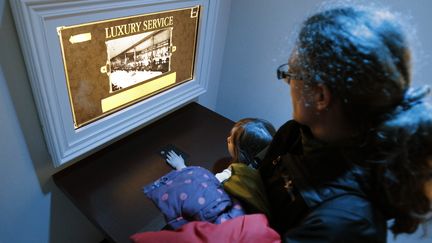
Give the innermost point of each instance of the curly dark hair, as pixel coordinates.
(362, 55)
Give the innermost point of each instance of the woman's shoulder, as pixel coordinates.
(286, 139)
(347, 218)
(288, 128)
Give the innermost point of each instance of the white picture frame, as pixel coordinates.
(36, 23)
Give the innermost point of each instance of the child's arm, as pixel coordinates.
(224, 175)
(175, 160)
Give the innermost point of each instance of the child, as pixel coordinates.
(194, 193)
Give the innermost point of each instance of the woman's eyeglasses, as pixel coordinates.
(282, 72)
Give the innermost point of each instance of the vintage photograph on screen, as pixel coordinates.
(112, 64)
(135, 59)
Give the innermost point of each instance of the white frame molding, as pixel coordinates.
(36, 22)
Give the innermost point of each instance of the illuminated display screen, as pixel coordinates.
(115, 63)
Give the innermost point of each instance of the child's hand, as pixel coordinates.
(175, 160)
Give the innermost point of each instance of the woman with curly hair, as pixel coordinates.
(358, 151)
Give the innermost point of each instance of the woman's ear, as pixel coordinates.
(323, 97)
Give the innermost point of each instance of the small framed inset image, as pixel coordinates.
(101, 69)
(141, 60)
